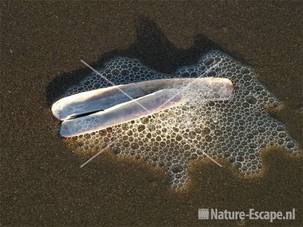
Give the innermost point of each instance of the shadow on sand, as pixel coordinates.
(152, 48)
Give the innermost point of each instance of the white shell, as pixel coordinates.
(121, 113)
(123, 103)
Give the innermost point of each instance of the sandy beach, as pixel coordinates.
(42, 43)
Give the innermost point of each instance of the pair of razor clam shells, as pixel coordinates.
(98, 109)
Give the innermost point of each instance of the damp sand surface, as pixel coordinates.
(41, 180)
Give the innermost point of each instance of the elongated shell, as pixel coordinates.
(104, 98)
(121, 113)
(107, 107)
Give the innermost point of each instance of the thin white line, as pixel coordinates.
(117, 87)
(187, 86)
(218, 164)
(97, 154)
(94, 156)
(127, 95)
(210, 158)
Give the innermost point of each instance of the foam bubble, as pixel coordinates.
(236, 130)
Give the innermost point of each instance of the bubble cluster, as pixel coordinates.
(120, 70)
(236, 130)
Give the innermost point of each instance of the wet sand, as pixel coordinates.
(41, 180)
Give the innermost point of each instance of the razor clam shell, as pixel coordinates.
(121, 113)
(104, 98)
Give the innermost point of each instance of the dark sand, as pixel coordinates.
(41, 182)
